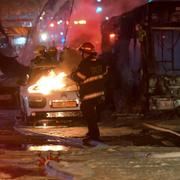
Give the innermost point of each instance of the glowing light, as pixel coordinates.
(82, 21)
(63, 40)
(106, 18)
(98, 0)
(99, 9)
(112, 35)
(44, 125)
(41, 18)
(76, 22)
(59, 22)
(44, 36)
(46, 84)
(51, 24)
(61, 33)
(67, 22)
(20, 40)
(47, 148)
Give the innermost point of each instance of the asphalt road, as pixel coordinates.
(119, 131)
(25, 150)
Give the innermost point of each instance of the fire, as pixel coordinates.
(46, 84)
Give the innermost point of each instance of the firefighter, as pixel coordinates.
(40, 55)
(53, 54)
(90, 75)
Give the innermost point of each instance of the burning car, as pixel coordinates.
(49, 93)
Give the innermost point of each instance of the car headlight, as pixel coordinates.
(37, 102)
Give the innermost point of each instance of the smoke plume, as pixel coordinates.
(86, 10)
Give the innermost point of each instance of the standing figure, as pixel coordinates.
(53, 54)
(91, 76)
(40, 55)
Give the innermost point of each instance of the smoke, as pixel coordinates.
(86, 10)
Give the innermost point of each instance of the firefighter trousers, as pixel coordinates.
(91, 114)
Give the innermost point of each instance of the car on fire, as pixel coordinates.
(48, 93)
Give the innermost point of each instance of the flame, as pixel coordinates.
(46, 84)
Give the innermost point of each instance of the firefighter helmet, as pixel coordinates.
(87, 47)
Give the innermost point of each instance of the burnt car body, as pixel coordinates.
(145, 48)
(43, 95)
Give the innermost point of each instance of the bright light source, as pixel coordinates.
(98, 0)
(44, 36)
(47, 148)
(106, 18)
(20, 41)
(76, 22)
(41, 18)
(44, 125)
(51, 24)
(55, 83)
(63, 40)
(61, 33)
(67, 22)
(112, 35)
(82, 21)
(99, 9)
(59, 22)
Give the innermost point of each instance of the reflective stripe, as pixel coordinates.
(93, 95)
(94, 78)
(80, 75)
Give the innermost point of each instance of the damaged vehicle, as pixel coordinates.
(48, 93)
(145, 44)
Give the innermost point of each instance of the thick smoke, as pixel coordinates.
(87, 10)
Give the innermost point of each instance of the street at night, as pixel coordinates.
(89, 90)
(131, 150)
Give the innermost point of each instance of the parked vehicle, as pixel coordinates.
(145, 44)
(49, 93)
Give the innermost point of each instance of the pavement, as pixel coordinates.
(115, 162)
(128, 153)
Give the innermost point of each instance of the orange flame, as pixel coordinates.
(46, 84)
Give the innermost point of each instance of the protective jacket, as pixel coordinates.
(91, 76)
